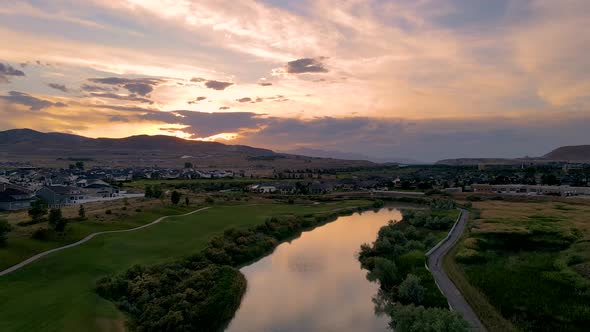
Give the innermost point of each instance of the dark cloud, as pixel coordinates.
(265, 84)
(244, 100)
(139, 86)
(97, 88)
(198, 79)
(34, 104)
(196, 101)
(130, 97)
(224, 107)
(8, 70)
(201, 124)
(118, 118)
(60, 87)
(306, 65)
(217, 85)
(141, 89)
(134, 109)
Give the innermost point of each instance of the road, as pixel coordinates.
(454, 297)
(86, 239)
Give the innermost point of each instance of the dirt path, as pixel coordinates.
(454, 297)
(86, 239)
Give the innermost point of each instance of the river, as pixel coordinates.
(315, 282)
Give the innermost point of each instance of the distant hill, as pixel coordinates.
(577, 153)
(57, 149)
(574, 153)
(350, 156)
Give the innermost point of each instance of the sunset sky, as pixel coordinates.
(421, 79)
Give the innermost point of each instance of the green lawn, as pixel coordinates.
(56, 293)
(21, 246)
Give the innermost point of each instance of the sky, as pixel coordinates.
(419, 79)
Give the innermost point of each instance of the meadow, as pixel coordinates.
(524, 265)
(57, 293)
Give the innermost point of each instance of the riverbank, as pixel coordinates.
(60, 288)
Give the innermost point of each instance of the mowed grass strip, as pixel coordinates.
(56, 293)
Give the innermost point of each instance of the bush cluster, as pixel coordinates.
(195, 295)
(428, 220)
(407, 292)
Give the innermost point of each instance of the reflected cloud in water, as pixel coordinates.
(315, 282)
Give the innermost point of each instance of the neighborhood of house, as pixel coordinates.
(21, 185)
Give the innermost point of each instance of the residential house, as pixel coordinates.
(58, 196)
(14, 198)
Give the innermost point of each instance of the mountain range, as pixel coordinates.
(57, 149)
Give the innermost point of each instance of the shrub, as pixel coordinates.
(411, 290)
(41, 234)
(108, 212)
(56, 220)
(410, 318)
(4, 229)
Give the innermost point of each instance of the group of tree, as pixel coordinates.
(154, 191)
(407, 292)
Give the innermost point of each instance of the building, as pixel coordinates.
(57, 196)
(15, 198)
(99, 188)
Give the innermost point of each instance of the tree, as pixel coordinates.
(82, 212)
(4, 229)
(38, 210)
(57, 220)
(175, 197)
(385, 272)
(186, 201)
(148, 191)
(157, 192)
(188, 165)
(411, 290)
(80, 164)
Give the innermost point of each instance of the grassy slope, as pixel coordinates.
(56, 293)
(534, 288)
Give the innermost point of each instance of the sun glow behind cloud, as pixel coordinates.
(324, 69)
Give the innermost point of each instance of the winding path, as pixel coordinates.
(88, 238)
(434, 263)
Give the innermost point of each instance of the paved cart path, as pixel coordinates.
(88, 238)
(454, 297)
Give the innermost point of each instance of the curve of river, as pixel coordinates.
(315, 282)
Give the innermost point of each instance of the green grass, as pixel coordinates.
(520, 266)
(22, 246)
(56, 293)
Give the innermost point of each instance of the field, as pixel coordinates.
(524, 265)
(57, 292)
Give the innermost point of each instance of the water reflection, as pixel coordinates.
(315, 282)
